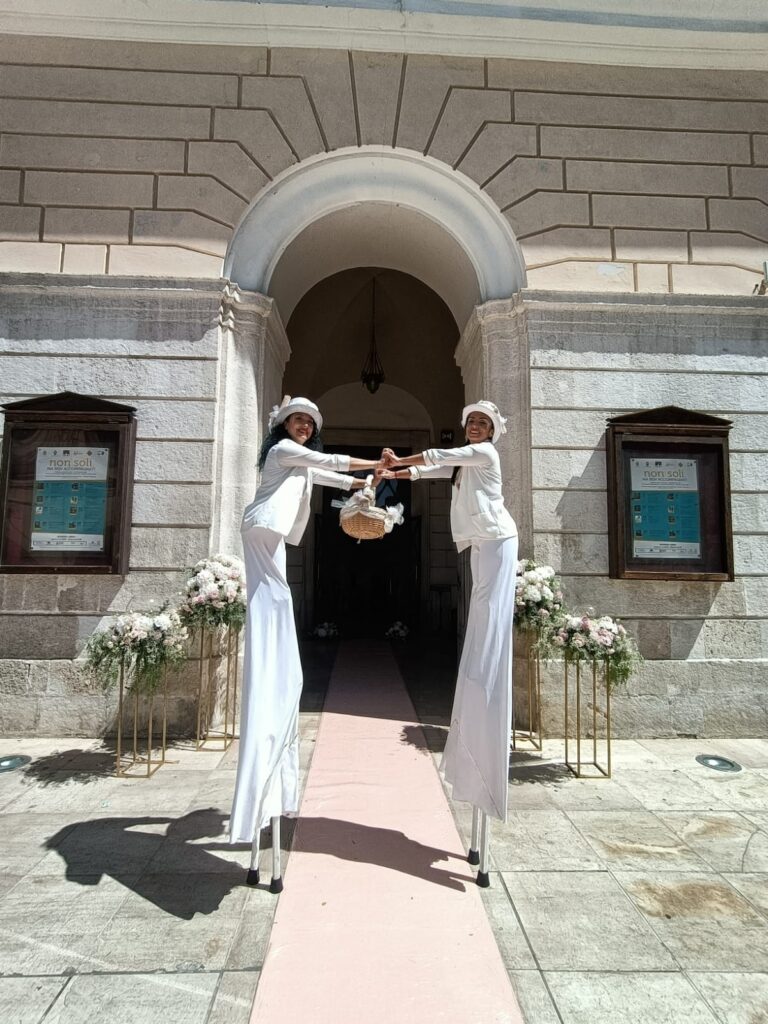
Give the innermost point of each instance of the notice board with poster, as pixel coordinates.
(669, 509)
(66, 485)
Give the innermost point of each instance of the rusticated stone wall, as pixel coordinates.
(601, 356)
(194, 359)
(140, 159)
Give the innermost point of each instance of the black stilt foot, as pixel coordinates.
(473, 856)
(276, 885)
(483, 880)
(253, 876)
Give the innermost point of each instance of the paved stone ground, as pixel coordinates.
(643, 898)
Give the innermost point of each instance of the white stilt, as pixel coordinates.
(276, 885)
(474, 849)
(483, 879)
(253, 871)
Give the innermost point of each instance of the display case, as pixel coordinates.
(669, 500)
(66, 485)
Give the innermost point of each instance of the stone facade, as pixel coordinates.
(706, 643)
(636, 197)
(142, 159)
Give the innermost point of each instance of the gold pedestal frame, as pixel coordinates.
(208, 691)
(599, 770)
(137, 764)
(532, 734)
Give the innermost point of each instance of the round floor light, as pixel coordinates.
(10, 762)
(720, 764)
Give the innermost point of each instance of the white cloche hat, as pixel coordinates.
(289, 406)
(492, 412)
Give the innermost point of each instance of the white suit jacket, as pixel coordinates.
(281, 502)
(477, 504)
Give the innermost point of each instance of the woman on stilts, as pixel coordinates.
(291, 461)
(476, 758)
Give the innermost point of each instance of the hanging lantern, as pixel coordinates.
(372, 373)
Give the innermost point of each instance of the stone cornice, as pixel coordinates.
(728, 38)
(154, 303)
(242, 310)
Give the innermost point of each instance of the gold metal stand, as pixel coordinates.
(532, 733)
(133, 763)
(600, 770)
(208, 691)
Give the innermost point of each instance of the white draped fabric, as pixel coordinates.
(476, 758)
(268, 765)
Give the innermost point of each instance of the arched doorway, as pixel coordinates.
(411, 574)
(391, 210)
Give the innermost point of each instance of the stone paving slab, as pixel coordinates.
(635, 841)
(181, 998)
(725, 840)
(736, 998)
(583, 921)
(614, 998)
(701, 919)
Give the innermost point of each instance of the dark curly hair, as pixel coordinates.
(279, 433)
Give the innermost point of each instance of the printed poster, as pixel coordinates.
(666, 521)
(69, 501)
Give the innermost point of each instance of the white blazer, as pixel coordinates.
(477, 504)
(281, 502)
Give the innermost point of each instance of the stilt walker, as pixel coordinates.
(476, 758)
(267, 783)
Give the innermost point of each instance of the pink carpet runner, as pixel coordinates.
(380, 919)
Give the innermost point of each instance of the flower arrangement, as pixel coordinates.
(143, 644)
(538, 596)
(397, 631)
(325, 631)
(214, 595)
(599, 638)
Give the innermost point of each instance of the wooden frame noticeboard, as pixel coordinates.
(669, 501)
(66, 485)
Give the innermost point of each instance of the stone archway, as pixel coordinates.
(400, 210)
(376, 206)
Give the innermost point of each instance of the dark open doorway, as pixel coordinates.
(364, 587)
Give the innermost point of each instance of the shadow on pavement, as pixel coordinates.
(383, 847)
(63, 766)
(167, 868)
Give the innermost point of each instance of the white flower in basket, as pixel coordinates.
(362, 519)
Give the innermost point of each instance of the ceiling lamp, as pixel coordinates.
(372, 373)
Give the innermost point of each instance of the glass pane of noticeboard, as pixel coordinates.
(665, 508)
(60, 501)
(69, 509)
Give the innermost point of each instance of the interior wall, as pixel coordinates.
(416, 336)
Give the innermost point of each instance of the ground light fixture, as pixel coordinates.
(720, 764)
(10, 762)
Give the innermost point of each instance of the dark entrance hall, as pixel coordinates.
(364, 587)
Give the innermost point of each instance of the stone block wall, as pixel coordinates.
(155, 347)
(141, 158)
(706, 644)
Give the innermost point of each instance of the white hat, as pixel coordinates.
(289, 406)
(492, 412)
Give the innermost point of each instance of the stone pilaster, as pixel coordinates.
(493, 357)
(253, 351)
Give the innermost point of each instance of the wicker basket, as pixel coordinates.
(364, 525)
(364, 521)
